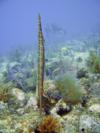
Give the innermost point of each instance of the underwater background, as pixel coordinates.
(49, 66)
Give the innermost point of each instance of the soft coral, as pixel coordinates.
(49, 125)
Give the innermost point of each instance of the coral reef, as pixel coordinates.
(64, 104)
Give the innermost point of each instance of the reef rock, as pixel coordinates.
(95, 108)
(89, 124)
(2, 106)
(18, 100)
(19, 94)
(32, 102)
(70, 129)
(81, 73)
(95, 89)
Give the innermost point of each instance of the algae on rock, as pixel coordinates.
(70, 90)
